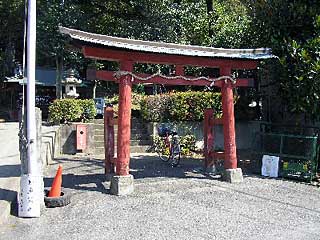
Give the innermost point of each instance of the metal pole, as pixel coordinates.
(30, 196)
(31, 64)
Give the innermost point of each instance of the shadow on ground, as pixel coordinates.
(7, 171)
(79, 173)
(87, 174)
(11, 197)
(7, 195)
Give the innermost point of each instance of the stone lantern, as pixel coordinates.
(71, 82)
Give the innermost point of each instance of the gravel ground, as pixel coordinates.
(172, 203)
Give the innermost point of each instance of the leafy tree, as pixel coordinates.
(231, 24)
(301, 90)
(51, 45)
(291, 29)
(274, 22)
(11, 37)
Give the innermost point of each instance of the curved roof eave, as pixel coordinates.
(167, 48)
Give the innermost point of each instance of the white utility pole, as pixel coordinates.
(31, 88)
(30, 195)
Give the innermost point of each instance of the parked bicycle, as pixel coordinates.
(168, 146)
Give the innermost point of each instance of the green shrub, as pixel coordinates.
(112, 100)
(160, 146)
(188, 144)
(135, 101)
(88, 109)
(179, 106)
(71, 110)
(155, 108)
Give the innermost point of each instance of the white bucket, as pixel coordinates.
(270, 166)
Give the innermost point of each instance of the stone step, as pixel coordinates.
(98, 144)
(98, 121)
(99, 150)
(132, 143)
(98, 127)
(140, 142)
(137, 127)
(100, 138)
(136, 136)
(101, 120)
(133, 149)
(140, 137)
(140, 149)
(133, 120)
(139, 130)
(133, 131)
(98, 132)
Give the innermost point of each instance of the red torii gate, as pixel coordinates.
(128, 52)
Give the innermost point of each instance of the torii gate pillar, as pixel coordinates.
(122, 182)
(232, 173)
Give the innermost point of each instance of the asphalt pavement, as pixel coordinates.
(171, 203)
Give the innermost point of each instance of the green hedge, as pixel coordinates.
(155, 108)
(179, 106)
(88, 109)
(72, 110)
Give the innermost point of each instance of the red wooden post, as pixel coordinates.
(124, 120)
(228, 121)
(208, 136)
(109, 140)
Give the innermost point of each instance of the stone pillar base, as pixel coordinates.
(233, 175)
(121, 185)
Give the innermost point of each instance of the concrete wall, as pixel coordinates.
(61, 139)
(50, 144)
(245, 132)
(67, 134)
(47, 145)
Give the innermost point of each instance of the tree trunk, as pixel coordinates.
(209, 4)
(94, 89)
(59, 65)
(9, 59)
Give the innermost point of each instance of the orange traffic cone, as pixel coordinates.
(56, 185)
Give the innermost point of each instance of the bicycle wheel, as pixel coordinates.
(164, 154)
(176, 154)
(163, 150)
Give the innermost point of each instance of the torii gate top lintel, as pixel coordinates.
(128, 51)
(136, 51)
